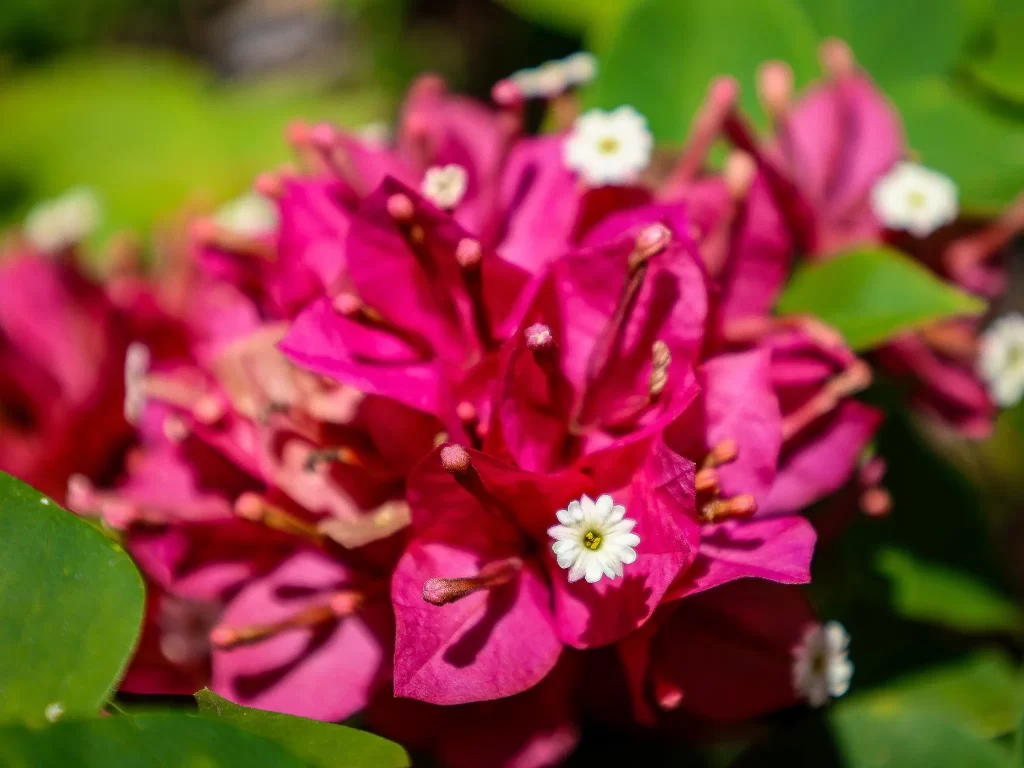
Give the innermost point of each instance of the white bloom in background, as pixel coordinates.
(608, 147)
(53, 711)
(1001, 359)
(252, 215)
(821, 666)
(53, 225)
(594, 539)
(580, 68)
(445, 186)
(914, 198)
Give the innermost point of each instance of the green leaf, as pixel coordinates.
(151, 132)
(667, 51)
(323, 745)
(159, 740)
(1018, 746)
(873, 294)
(928, 592)
(852, 736)
(982, 693)
(909, 739)
(1000, 68)
(980, 149)
(70, 607)
(877, 32)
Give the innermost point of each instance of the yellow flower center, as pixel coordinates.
(609, 145)
(916, 199)
(592, 540)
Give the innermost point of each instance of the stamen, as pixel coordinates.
(256, 509)
(325, 138)
(297, 134)
(210, 233)
(470, 419)
(963, 256)
(706, 481)
(545, 354)
(953, 340)
(739, 173)
(389, 517)
(349, 456)
(668, 695)
(455, 459)
(749, 330)
(443, 591)
(175, 429)
(876, 501)
(342, 604)
(723, 453)
(836, 58)
(775, 88)
(855, 378)
(270, 185)
(209, 410)
(468, 255)
(661, 358)
(351, 306)
(707, 124)
(737, 507)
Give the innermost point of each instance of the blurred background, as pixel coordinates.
(167, 104)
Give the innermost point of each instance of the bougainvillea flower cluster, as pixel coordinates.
(434, 429)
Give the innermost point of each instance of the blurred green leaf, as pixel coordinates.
(148, 132)
(909, 739)
(595, 21)
(667, 51)
(851, 736)
(1000, 68)
(161, 740)
(323, 745)
(982, 693)
(981, 149)
(872, 294)
(928, 592)
(878, 31)
(70, 606)
(1018, 746)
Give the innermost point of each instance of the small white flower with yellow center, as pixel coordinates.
(821, 666)
(914, 198)
(445, 185)
(53, 225)
(1001, 359)
(252, 215)
(608, 147)
(594, 539)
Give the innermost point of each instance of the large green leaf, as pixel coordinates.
(323, 745)
(70, 606)
(872, 294)
(982, 693)
(852, 736)
(877, 30)
(159, 740)
(667, 51)
(981, 149)
(1001, 66)
(928, 592)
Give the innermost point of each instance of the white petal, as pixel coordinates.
(560, 547)
(628, 555)
(594, 570)
(561, 532)
(579, 566)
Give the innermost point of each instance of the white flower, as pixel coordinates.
(136, 368)
(608, 147)
(1001, 359)
(53, 711)
(580, 68)
(445, 186)
(53, 225)
(914, 198)
(821, 667)
(594, 539)
(252, 215)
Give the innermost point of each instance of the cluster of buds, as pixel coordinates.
(426, 423)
